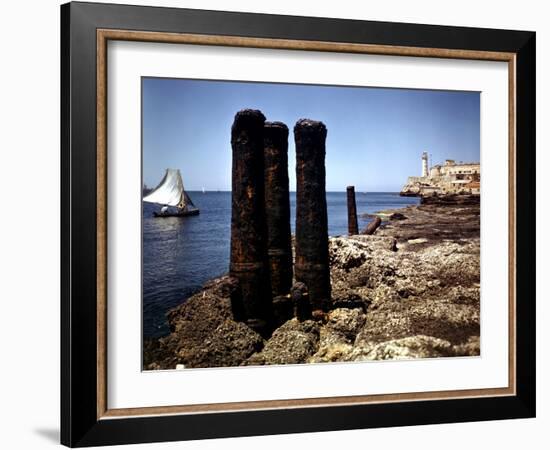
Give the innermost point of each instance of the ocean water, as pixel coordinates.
(181, 253)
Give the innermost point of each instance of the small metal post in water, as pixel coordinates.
(353, 228)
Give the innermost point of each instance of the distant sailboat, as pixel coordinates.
(203, 190)
(170, 192)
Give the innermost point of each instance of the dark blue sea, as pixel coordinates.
(181, 253)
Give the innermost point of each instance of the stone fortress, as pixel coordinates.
(447, 179)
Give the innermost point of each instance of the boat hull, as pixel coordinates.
(193, 212)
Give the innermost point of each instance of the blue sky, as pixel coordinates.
(375, 136)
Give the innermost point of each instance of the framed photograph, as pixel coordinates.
(277, 224)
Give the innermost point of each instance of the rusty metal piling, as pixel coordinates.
(249, 258)
(372, 226)
(277, 207)
(300, 299)
(353, 227)
(312, 258)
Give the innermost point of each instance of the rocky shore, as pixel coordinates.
(410, 290)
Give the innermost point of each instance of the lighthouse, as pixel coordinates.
(425, 164)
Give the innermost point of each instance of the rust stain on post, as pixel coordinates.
(277, 206)
(353, 228)
(312, 259)
(249, 260)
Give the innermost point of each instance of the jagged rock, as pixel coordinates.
(433, 316)
(338, 334)
(464, 295)
(421, 301)
(346, 253)
(452, 199)
(435, 223)
(344, 297)
(470, 348)
(204, 333)
(345, 322)
(292, 343)
(406, 348)
(229, 345)
(157, 356)
(417, 241)
(332, 352)
(204, 311)
(397, 216)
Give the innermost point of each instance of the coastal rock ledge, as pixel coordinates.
(409, 291)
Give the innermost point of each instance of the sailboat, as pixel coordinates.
(170, 192)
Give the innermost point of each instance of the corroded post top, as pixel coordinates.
(275, 130)
(305, 125)
(350, 188)
(246, 118)
(276, 125)
(246, 113)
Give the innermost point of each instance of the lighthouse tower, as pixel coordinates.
(425, 164)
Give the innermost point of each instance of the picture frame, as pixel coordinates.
(86, 419)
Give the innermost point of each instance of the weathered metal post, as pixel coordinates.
(277, 207)
(372, 226)
(300, 299)
(353, 227)
(248, 260)
(312, 261)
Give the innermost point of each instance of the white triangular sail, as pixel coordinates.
(170, 191)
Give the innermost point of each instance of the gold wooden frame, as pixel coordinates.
(104, 35)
